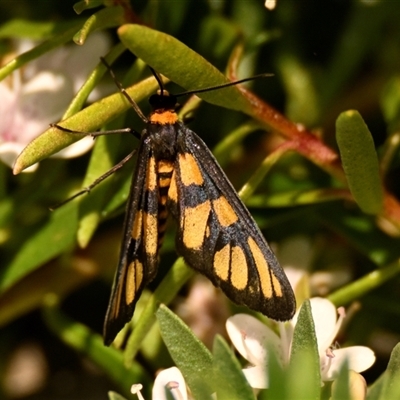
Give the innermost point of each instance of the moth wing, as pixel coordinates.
(138, 260)
(218, 237)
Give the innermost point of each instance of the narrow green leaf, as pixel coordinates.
(120, 195)
(341, 388)
(115, 396)
(94, 78)
(39, 50)
(304, 357)
(35, 30)
(83, 5)
(182, 65)
(108, 17)
(223, 150)
(90, 344)
(87, 120)
(100, 162)
(188, 353)
(277, 376)
(229, 381)
(360, 161)
(375, 390)
(390, 103)
(362, 233)
(360, 287)
(302, 104)
(391, 383)
(257, 177)
(55, 236)
(293, 198)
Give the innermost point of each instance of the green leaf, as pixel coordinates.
(230, 382)
(83, 5)
(390, 103)
(189, 354)
(54, 42)
(293, 198)
(51, 239)
(90, 344)
(120, 195)
(340, 387)
(90, 211)
(277, 376)
(391, 382)
(105, 18)
(362, 233)
(87, 120)
(355, 290)
(181, 65)
(304, 357)
(115, 396)
(302, 104)
(360, 161)
(21, 28)
(224, 149)
(375, 390)
(218, 36)
(94, 78)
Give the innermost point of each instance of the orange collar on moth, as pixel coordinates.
(163, 118)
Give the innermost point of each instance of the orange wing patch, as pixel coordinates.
(194, 224)
(150, 229)
(189, 170)
(221, 262)
(239, 269)
(268, 279)
(225, 213)
(133, 281)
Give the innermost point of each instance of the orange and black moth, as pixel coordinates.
(177, 174)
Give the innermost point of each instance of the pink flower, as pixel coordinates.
(39, 94)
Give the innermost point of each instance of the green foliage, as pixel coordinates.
(331, 62)
(304, 354)
(388, 385)
(232, 384)
(188, 353)
(360, 161)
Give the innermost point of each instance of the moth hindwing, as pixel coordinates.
(176, 173)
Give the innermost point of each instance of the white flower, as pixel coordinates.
(254, 340)
(270, 4)
(39, 94)
(168, 381)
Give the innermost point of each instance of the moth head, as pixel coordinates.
(163, 100)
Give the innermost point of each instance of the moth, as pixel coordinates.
(177, 174)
